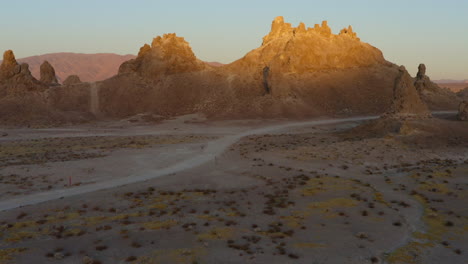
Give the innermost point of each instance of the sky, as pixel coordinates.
(408, 32)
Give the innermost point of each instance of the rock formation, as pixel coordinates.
(296, 72)
(72, 79)
(406, 99)
(463, 111)
(300, 49)
(9, 66)
(167, 55)
(431, 93)
(48, 74)
(16, 79)
(422, 82)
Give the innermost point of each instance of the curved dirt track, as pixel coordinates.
(212, 149)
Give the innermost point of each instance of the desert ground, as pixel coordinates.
(189, 190)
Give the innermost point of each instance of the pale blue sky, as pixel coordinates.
(407, 31)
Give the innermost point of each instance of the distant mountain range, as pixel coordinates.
(89, 67)
(451, 81)
(215, 63)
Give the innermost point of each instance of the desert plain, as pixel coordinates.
(190, 190)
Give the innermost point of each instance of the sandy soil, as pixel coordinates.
(233, 192)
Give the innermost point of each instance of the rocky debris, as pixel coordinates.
(406, 99)
(167, 55)
(88, 260)
(59, 255)
(463, 111)
(145, 118)
(72, 79)
(48, 74)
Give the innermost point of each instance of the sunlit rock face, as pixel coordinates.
(300, 49)
(297, 71)
(168, 54)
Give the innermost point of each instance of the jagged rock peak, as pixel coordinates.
(9, 58)
(279, 29)
(72, 79)
(421, 71)
(48, 74)
(406, 100)
(168, 54)
(10, 66)
(423, 83)
(171, 44)
(348, 32)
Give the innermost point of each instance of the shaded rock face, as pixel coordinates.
(48, 74)
(406, 99)
(432, 94)
(463, 111)
(72, 79)
(16, 79)
(422, 82)
(167, 55)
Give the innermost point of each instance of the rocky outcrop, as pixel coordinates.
(167, 55)
(297, 72)
(463, 111)
(406, 100)
(9, 66)
(16, 79)
(71, 80)
(300, 49)
(435, 96)
(48, 74)
(422, 82)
